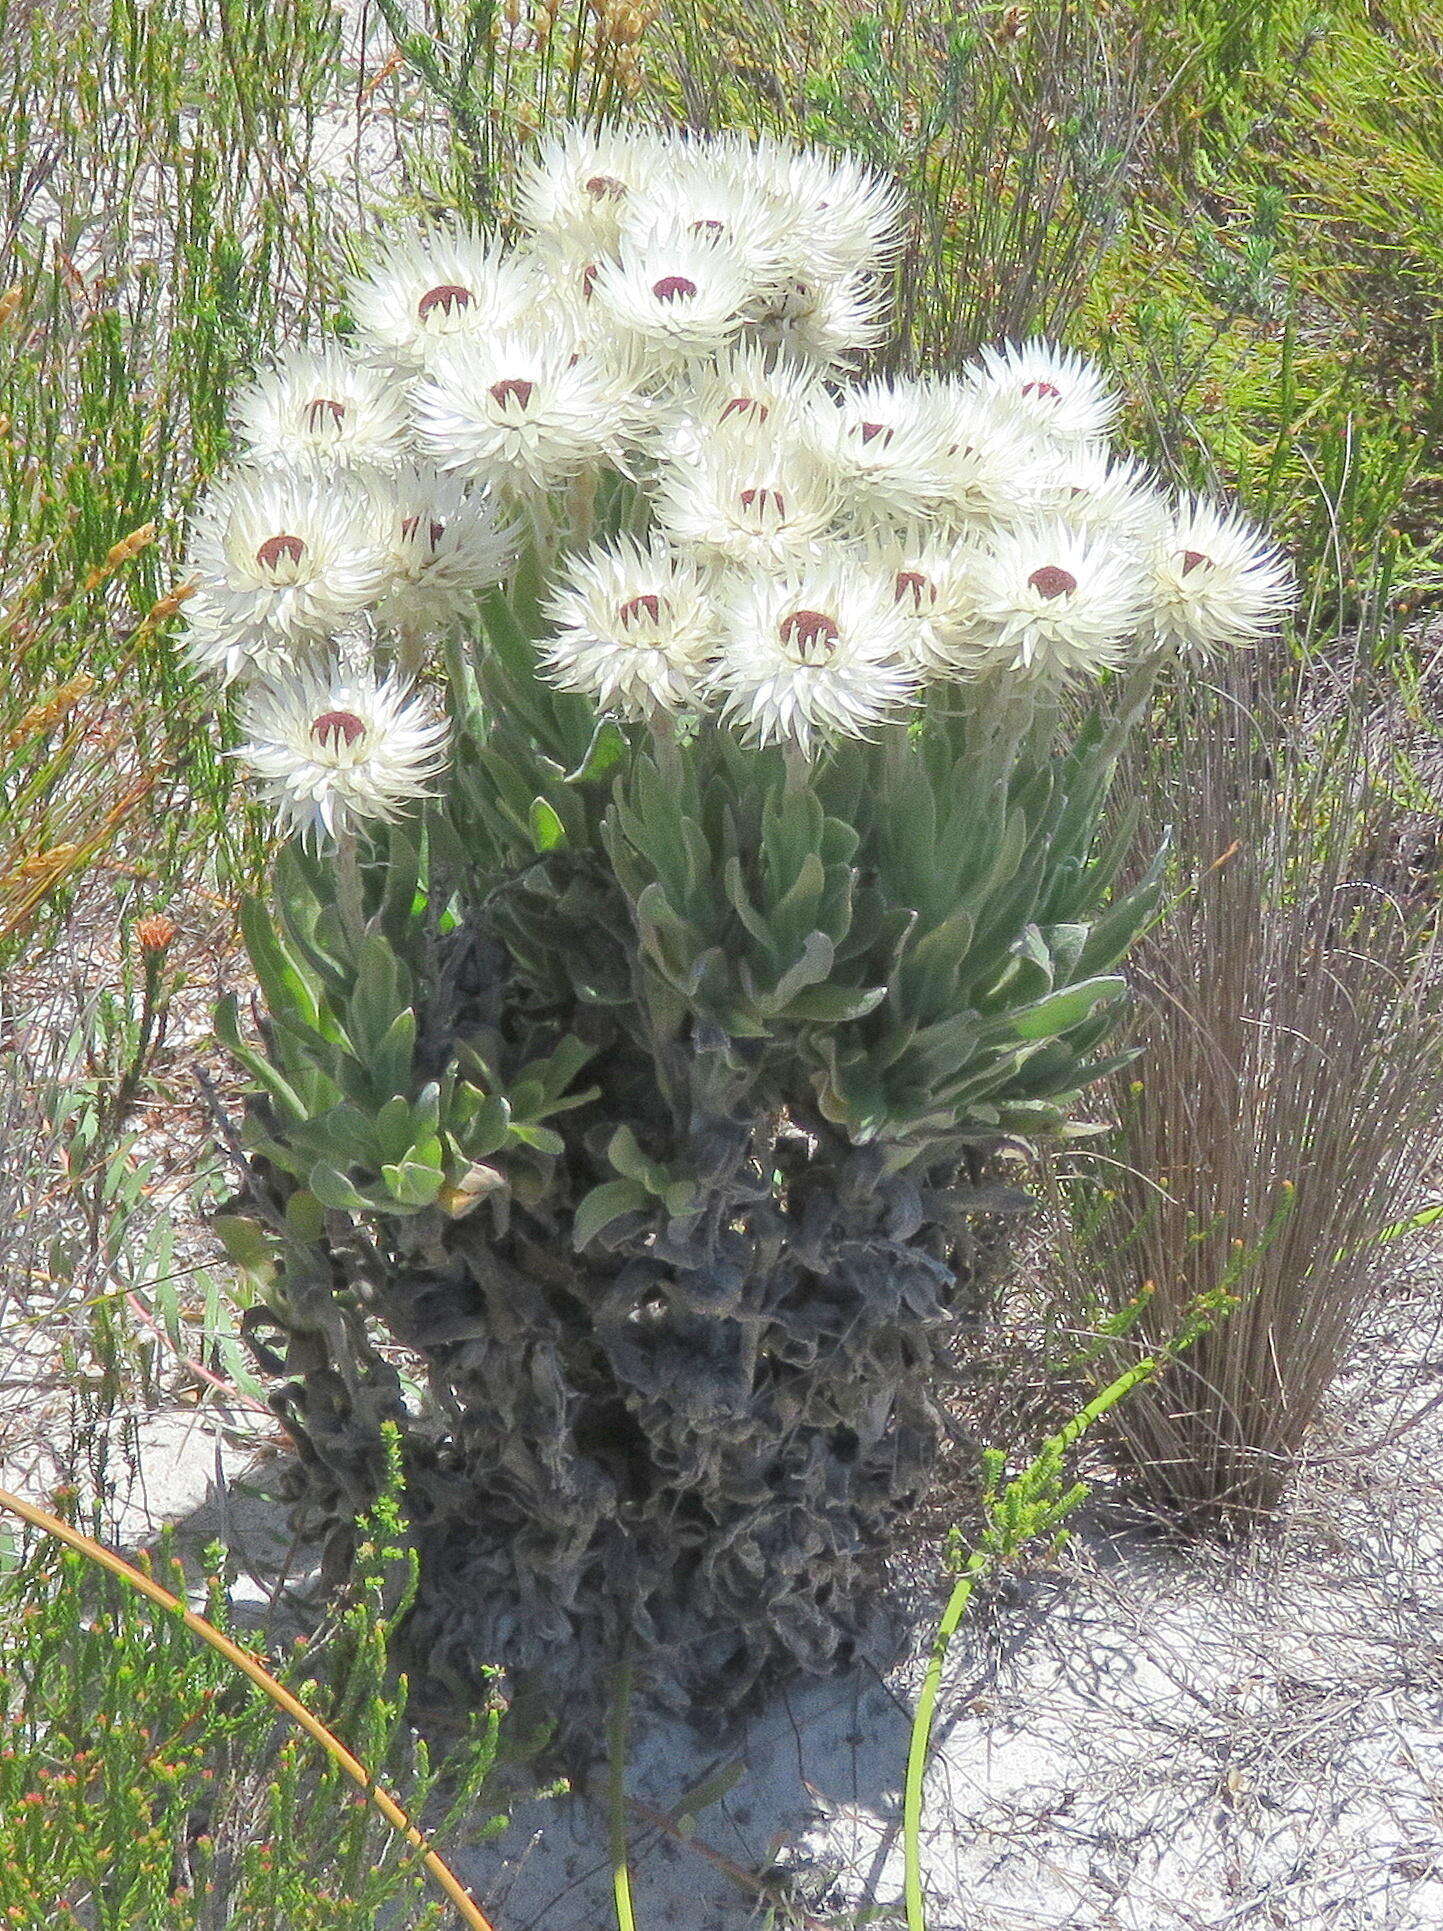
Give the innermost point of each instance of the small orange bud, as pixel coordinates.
(155, 932)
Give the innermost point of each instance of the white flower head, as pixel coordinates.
(1056, 392)
(674, 297)
(888, 442)
(820, 318)
(844, 218)
(1215, 581)
(819, 652)
(322, 407)
(933, 577)
(524, 407)
(578, 183)
(748, 500)
(1055, 602)
(217, 645)
(697, 198)
(444, 543)
(994, 472)
(1112, 495)
(287, 555)
(635, 628)
(336, 749)
(440, 285)
(749, 387)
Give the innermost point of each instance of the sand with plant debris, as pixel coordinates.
(1139, 1737)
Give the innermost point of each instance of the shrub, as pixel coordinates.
(621, 1116)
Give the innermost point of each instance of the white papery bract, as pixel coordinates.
(672, 298)
(844, 218)
(336, 749)
(579, 183)
(693, 197)
(1112, 495)
(321, 407)
(444, 543)
(1057, 393)
(820, 320)
(747, 389)
(1214, 581)
(888, 443)
(443, 285)
(217, 646)
(821, 651)
(284, 557)
(635, 628)
(525, 407)
(933, 578)
(743, 500)
(1056, 603)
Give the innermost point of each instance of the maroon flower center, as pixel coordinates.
(746, 406)
(911, 583)
(1194, 560)
(280, 549)
(708, 227)
(434, 530)
(446, 297)
(319, 408)
(871, 430)
(512, 388)
(605, 187)
(764, 500)
(673, 288)
(1044, 391)
(337, 726)
(810, 634)
(588, 281)
(648, 604)
(1053, 581)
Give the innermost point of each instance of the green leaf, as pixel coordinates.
(1064, 1008)
(334, 1190)
(246, 1245)
(415, 1183)
(548, 833)
(605, 1203)
(608, 747)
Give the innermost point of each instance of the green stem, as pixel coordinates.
(920, 1743)
(616, 1791)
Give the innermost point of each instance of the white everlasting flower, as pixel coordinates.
(286, 555)
(994, 473)
(440, 285)
(933, 578)
(1214, 581)
(744, 500)
(578, 183)
(696, 197)
(1112, 495)
(1058, 393)
(444, 543)
(820, 652)
(748, 387)
(635, 628)
(322, 407)
(821, 319)
(674, 298)
(534, 410)
(844, 217)
(216, 645)
(1054, 602)
(335, 749)
(888, 443)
